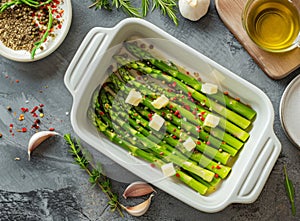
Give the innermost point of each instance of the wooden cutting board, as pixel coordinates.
(275, 65)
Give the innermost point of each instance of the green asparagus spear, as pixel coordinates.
(231, 103)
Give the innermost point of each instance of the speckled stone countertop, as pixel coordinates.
(51, 187)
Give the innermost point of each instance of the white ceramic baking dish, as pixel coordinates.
(256, 160)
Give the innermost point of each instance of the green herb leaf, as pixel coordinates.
(96, 177)
(290, 191)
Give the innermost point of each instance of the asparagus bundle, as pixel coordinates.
(206, 164)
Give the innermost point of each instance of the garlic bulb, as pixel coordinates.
(193, 9)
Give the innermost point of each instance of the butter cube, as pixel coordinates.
(156, 122)
(160, 102)
(209, 88)
(134, 98)
(211, 120)
(168, 170)
(189, 144)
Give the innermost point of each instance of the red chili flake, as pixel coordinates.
(174, 84)
(179, 116)
(188, 73)
(208, 143)
(54, 11)
(203, 113)
(237, 99)
(171, 106)
(161, 153)
(189, 94)
(202, 118)
(218, 167)
(51, 129)
(11, 125)
(59, 26)
(57, 16)
(24, 129)
(194, 112)
(198, 142)
(212, 167)
(187, 107)
(17, 81)
(101, 113)
(163, 114)
(152, 164)
(176, 112)
(149, 115)
(35, 115)
(226, 92)
(177, 175)
(174, 137)
(182, 96)
(150, 118)
(23, 109)
(34, 109)
(216, 175)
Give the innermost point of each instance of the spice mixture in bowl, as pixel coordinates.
(28, 27)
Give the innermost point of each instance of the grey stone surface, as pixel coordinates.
(51, 187)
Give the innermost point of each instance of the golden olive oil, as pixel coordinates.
(273, 24)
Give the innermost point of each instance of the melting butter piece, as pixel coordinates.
(160, 102)
(168, 170)
(211, 121)
(209, 88)
(189, 144)
(156, 122)
(134, 98)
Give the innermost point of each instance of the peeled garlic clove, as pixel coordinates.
(37, 139)
(193, 9)
(139, 209)
(138, 188)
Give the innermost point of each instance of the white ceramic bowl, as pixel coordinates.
(50, 46)
(256, 160)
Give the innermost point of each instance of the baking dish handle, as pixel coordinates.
(93, 44)
(254, 181)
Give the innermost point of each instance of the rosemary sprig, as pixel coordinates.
(167, 7)
(45, 35)
(145, 7)
(126, 6)
(290, 190)
(85, 160)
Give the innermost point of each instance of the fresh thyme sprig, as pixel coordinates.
(85, 160)
(290, 190)
(167, 7)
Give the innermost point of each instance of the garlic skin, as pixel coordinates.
(137, 189)
(139, 209)
(37, 139)
(193, 9)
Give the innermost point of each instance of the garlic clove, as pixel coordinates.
(193, 9)
(138, 188)
(37, 139)
(141, 208)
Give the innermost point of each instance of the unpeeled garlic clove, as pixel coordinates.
(139, 209)
(193, 9)
(37, 139)
(138, 188)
